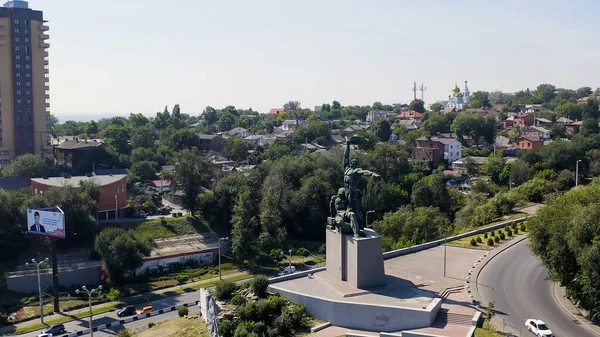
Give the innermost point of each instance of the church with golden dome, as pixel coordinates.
(457, 99)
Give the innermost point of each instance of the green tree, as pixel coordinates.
(121, 252)
(259, 285)
(176, 111)
(493, 166)
(91, 128)
(137, 120)
(436, 107)
(583, 92)
(545, 93)
(590, 126)
(520, 172)
(291, 106)
(313, 130)
(28, 165)
(142, 171)
(114, 295)
(184, 139)
(210, 115)
(483, 97)
(278, 150)
(117, 137)
(438, 123)
(189, 175)
(382, 129)
(417, 105)
(569, 110)
(226, 121)
(246, 224)
(12, 222)
(237, 149)
(143, 136)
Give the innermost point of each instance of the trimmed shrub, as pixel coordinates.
(502, 236)
(485, 235)
(513, 225)
(259, 285)
(183, 311)
(493, 233)
(479, 240)
(182, 278)
(516, 231)
(496, 239)
(509, 233)
(238, 300)
(224, 290)
(473, 242)
(124, 333)
(523, 227)
(490, 242)
(151, 325)
(322, 249)
(303, 252)
(226, 328)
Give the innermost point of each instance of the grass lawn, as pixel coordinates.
(466, 242)
(180, 327)
(165, 228)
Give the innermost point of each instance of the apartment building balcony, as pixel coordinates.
(44, 36)
(47, 96)
(44, 45)
(44, 28)
(46, 62)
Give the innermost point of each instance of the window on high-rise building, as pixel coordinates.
(27, 58)
(17, 30)
(18, 74)
(28, 101)
(26, 31)
(18, 101)
(18, 83)
(25, 22)
(28, 75)
(26, 40)
(16, 22)
(17, 48)
(18, 66)
(18, 92)
(17, 40)
(28, 84)
(27, 66)
(17, 57)
(26, 48)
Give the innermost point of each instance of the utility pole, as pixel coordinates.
(89, 293)
(445, 239)
(38, 265)
(422, 88)
(577, 173)
(221, 239)
(414, 89)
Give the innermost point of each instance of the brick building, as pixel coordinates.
(71, 153)
(113, 191)
(429, 150)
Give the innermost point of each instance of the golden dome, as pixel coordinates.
(456, 88)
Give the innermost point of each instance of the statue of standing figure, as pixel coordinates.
(346, 207)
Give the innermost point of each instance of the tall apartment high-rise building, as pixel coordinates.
(24, 88)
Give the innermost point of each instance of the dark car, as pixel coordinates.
(138, 215)
(127, 311)
(55, 329)
(164, 211)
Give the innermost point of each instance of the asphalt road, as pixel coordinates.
(516, 281)
(112, 316)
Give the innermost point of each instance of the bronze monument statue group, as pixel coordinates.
(345, 208)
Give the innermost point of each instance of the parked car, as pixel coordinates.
(164, 211)
(138, 215)
(145, 310)
(55, 330)
(126, 311)
(538, 327)
(44, 335)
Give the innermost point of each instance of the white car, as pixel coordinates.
(43, 334)
(538, 327)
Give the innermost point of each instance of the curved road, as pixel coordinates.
(516, 281)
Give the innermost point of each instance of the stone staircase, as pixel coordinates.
(445, 317)
(444, 293)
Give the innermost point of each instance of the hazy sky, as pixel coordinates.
(116, 57)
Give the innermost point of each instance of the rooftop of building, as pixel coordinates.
(75, 181)
(82, 144)
(184, 244)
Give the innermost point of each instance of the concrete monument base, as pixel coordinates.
(358, 261)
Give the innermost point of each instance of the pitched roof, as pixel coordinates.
(161, 183)
(14, 183)
(74, 181)
(276, 111)
(564, 120)
(409, 114)
(201, 136)
(445, 141)
(237, 130)
(531, 138)
(543, 120)
(79, 144)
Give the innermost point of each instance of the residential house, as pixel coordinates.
(564, 120)
(537, 131)
(72, 153)
(467, 139)
(159, 186)
(112, 188)
(291, 124)
(583, 100)
(522, 119)
(211, 142)
(532, 108)
(543, 122)
(374, 115)
(448, 110)
(318, 108)
(530, 143)
(276, 111)
(429, 150)
(410, 124)
(452, 148)
(574, 127)
(502, 143)
(355, 128)
(239, 132)
(338, 139)
(411, 114)
(261, 140)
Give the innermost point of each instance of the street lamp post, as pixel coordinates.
(577, 173)
(445, 239)
(89, 293)
(221, 239)
(290, 251)
(117, 207)
(38, 265)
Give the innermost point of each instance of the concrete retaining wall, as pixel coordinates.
(417, 334)
(27, 283)
(417, 248)
(366, 316)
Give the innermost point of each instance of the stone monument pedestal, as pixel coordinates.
(358, 261)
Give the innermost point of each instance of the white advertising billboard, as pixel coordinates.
(47, 223)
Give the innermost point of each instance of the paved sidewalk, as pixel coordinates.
(51, 317)
(561, 297)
